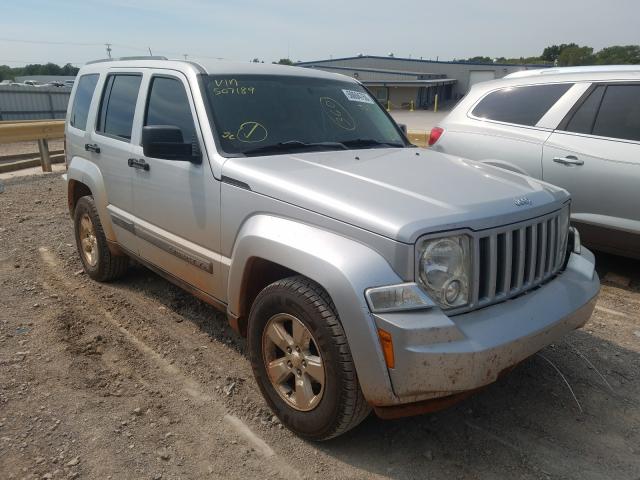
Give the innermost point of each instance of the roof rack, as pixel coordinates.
(581, 69)
(147, 57)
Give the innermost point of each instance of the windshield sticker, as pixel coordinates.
(252, 132)
(355, 96)
(338, 114)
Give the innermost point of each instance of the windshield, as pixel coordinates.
(269, 114)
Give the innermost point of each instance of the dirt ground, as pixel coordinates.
(138, 380)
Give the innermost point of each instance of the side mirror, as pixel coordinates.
(403, 127)
(166, 142)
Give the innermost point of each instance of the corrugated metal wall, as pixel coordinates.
(33, 103)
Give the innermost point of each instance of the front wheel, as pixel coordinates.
(302, 362)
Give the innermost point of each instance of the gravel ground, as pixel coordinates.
(138, 380)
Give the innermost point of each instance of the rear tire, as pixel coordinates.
(97, 260)
(334, 402)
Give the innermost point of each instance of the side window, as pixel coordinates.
(619, 114)
(119, 105)
(520, 105)
(583, 118)
(82, 100)
(168, 104)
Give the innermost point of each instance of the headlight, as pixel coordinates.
(445, 270)
(563, 227)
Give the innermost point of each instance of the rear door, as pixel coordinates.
(595, 155)
(177, 202)
(109, 146)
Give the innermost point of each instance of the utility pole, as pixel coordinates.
(108, 45)
(185, 56)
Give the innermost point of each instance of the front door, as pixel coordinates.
(177, 202)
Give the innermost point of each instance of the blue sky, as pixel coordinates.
(269, 30)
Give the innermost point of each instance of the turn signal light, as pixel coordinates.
(386, 342)
(434, 136)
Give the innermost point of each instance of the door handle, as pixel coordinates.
(138, 163)
(568, 160)
(92, 147)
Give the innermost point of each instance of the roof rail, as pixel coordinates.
(147, 57)
(581, 69)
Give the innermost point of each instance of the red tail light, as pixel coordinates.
(434, 136)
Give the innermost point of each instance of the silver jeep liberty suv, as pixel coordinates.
(365, 272)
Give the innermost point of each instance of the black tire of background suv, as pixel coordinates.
(342, 406)
(109, 267)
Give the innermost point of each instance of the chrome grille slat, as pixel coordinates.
(551, 251)
(511, 260)
(532, 253)
(520, 261)
(493, 266)
(542, 250)
(506, 268)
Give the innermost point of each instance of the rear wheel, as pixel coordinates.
(98, 261)
(302, 362)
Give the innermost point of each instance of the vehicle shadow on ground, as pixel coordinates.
(570, 411)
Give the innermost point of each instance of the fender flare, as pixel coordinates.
(84, 171)
(343, 267)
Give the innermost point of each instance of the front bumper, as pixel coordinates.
(437, 355)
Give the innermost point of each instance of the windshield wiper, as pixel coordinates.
(369, 142)
(295, 145)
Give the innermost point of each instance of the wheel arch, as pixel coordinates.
(343, 267)
(84, 178)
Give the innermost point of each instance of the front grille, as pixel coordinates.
(513, 259)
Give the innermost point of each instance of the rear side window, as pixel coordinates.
(82, 100)
(520, 105)
(619, 114)
(119, 105)
(168, 104)
(585, 115)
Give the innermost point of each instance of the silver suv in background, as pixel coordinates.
(365, 272)
(576, 127)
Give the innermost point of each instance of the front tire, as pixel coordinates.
(302, 361)
(97, 260)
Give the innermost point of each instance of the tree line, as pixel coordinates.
(10, 73)
(572, 54)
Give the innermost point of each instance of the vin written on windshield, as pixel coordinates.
(271, 114)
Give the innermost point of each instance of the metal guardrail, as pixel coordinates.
(418, 138)
(29, 130)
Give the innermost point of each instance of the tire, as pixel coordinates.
(341, 405)
(100, 264)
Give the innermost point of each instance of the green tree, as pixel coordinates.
(284, 61)
(618, 55)
(575, 55)
(552, 53)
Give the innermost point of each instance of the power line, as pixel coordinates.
(110, 48)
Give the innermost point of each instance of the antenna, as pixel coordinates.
(108, 45)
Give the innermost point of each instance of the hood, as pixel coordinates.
(400, 193)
